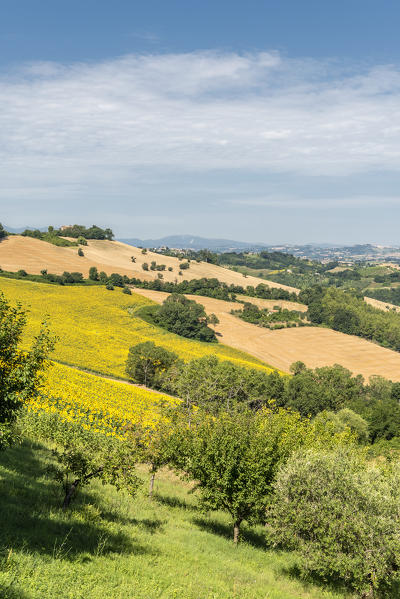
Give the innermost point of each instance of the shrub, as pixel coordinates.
(110, 286)
(81, 240)
(341, 514)
(145, 266)
(22, 273)
(127, 291)
(80, 252)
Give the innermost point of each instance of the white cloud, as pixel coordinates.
(86, 125)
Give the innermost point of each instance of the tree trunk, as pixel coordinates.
(236, 527)
(151, 486)
(70, 492)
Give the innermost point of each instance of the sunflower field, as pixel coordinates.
(96, 327)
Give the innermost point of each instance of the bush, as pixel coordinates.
(145, 266)
(81, 240)
(341, 514)
(127, 291)
(110, 286)
(80, 252)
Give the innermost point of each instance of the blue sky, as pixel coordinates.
(261, 121)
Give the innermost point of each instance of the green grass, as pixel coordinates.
(109, 546)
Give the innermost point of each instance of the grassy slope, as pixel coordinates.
(96, 327)
(112, 547)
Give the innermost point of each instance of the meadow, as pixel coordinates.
(109, 546)
(96, 327)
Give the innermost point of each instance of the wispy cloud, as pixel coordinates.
(86, 125)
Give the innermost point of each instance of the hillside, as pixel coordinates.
(314, 346)
(96, 327)
(33, 255)
(112, 547)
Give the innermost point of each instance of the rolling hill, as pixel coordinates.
(33, 255)
(315, 346)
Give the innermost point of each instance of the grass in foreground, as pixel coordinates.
(96, 327)
(110, 546)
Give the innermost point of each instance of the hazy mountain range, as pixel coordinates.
(196, 243)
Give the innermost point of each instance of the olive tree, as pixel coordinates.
(342, 516)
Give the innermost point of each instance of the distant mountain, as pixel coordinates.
(196, 243)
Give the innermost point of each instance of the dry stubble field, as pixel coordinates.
(314, 346)
(33, 255)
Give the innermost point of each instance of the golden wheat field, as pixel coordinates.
(101, 405)
(96, 327)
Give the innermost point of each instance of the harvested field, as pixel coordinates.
(33, 255)
(312, 345)
(385, 306)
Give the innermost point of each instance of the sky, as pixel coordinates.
(262, 121)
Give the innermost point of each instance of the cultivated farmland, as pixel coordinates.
(96, 327)
(33, 255)
(314, 346)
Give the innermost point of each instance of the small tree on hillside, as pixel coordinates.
(93, 273)
(234, 458)
(146, 360)
(3, 232)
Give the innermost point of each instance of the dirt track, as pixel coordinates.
(313, 345)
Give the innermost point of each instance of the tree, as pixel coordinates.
(103, 277)
(80, 252)
(212, 319)
(146, 360)
(93, 273)
(184, 317)
(133, 259)
(20, 371)
(341, 515)
(84, 455)
(3, 232)
(234, 457)
(145, 266)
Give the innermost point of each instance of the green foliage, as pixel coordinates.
(342, 516)
(3, 232)
(328, 388)
(127, 290)
(81, 240)
(184, 317)
(234, 457)
(83, 455)
(80, 252)
(110, 286)
(346, 418)
(347, 313)
(20, 371)
(266, 317)
(146, 361)
(93, 232)
(93, 273)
